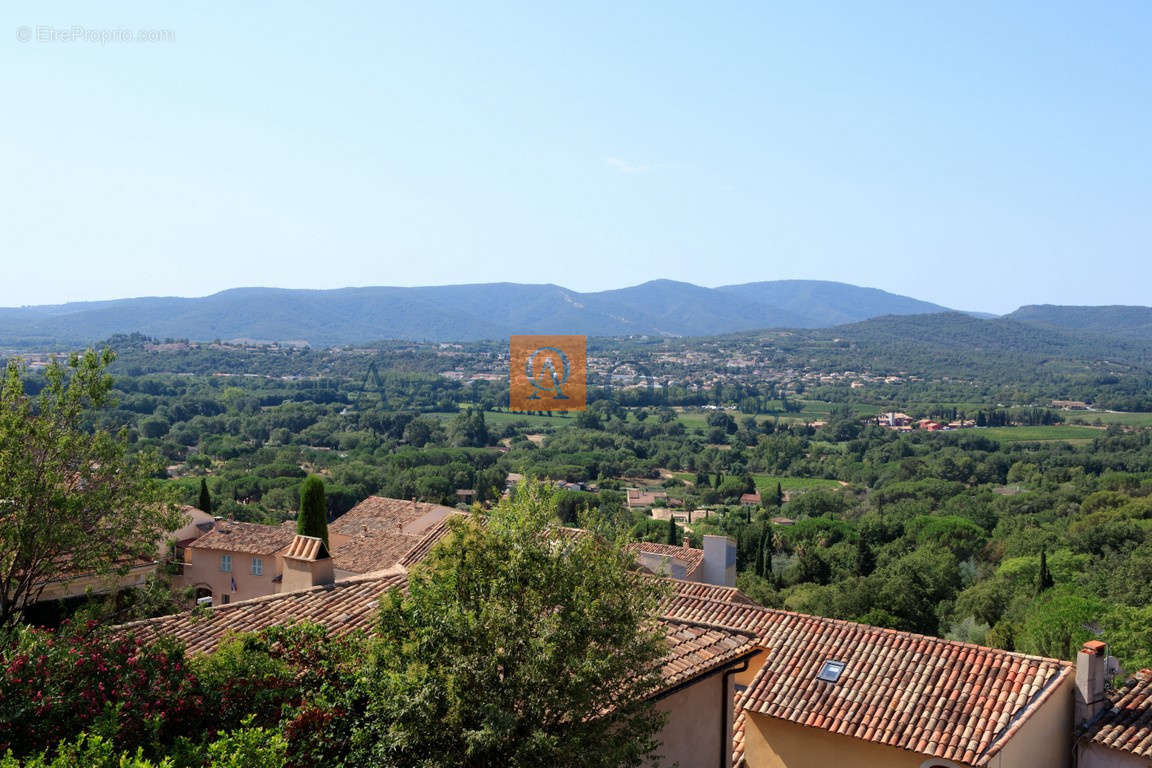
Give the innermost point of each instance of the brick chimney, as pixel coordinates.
(1092, 672)
(307, 564)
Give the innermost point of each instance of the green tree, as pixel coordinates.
(515, 645)
(469, 429)
(1059, 622)
(205, 502)
(69, 494)
(313, 517)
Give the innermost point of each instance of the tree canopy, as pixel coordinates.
(73, 501)
(517, 644)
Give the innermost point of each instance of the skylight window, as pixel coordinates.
(831, 671)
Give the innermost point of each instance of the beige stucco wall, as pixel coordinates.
(745, 678)
(97, 585)
(663, 565)
(773, 743)
(691, 736)
(202, 568)
(1045, 738)
(1096, 756)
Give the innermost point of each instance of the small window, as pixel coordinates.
(226, 563)
(257, 566)
(224, 599)
(831, 671)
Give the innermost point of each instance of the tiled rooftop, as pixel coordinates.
(941, 698)
(342, 607)
(690, 558)
(430, 539)
(694, 649)
(373, 551)
(249, 538)
(699, 589)
(738, 731)
(377, 513)
(1127, 726)
(352, 604)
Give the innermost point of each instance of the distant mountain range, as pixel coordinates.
(492, 311)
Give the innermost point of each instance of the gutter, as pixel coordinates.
(726, 673)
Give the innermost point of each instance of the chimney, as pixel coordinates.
(307, 564)
(719, 565)
(1092, 672)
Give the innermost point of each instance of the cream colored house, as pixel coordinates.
(131, 571)
(236, 561)
(835, 693)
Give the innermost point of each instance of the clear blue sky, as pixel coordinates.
(979, 154)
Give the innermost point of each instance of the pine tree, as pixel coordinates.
(313, 518)
(205, 502)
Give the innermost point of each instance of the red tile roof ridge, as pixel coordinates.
(707, 625)
(240, 604)
(898, 632)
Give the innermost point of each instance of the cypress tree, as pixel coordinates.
(671, 530)
(760, 552)
(1044, 580)
(313, 517)
(205, 502)
(779, 495)
(865, 559)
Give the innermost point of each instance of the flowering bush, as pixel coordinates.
(54, 685)
(129, 694)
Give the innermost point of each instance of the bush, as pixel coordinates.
(57, 684)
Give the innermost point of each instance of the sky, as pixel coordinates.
(982, 155)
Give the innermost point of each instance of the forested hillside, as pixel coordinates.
(1029, 535)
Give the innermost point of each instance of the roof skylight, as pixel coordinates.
(831, 671)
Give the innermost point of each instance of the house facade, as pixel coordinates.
(236, 561)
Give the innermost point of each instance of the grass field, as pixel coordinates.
(497, 420)
(813, 410)
(1060, 432)
(1123, 419)
(768, 482)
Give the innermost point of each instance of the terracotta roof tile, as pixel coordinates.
(373, 551)
(694, 649)
(249, 538)
(352, 604)
(682, 588)
(690, 558)
(343, 607)
(430, 539)
(942, 698)
(1127, 726)
(377, 513)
